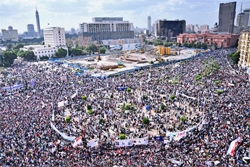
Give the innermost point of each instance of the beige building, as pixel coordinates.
(244, 48)
(54, 36)
(10, 34)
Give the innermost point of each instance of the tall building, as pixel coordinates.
(31, 30)
(244, 48)
(226, 17)
(243, 19)
(204, 27)
(170, 28)
(149, 24)
(54, 36)
(38, 24)
(9, 34)
(105, 28)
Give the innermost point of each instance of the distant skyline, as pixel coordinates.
(69, 13)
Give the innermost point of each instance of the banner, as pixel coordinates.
(13, 87)
(93, 143)
(62, 134)
(62, 103)
(232, 148)
(130, 142)
(74, 95)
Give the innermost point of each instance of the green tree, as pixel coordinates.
(204, 46)
(9, 47)
(8, 58)
(158, 42)
(102, 50)
(61, 53)
(185, 44)
(27, 55)
(167, 44)
(92, 47)
(76, 51)
(18, 46)
(235, 57)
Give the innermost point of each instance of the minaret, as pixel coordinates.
(38, 23)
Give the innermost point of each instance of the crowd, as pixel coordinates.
(27, 139)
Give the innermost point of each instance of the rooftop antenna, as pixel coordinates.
(241, 7)
(36, 7)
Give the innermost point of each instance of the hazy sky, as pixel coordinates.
(69, 13)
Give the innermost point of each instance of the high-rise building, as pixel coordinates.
(204, 27)
(104, 28)
(38, 24)
(9, 34)
(31, 30)
(169, 28)
(244, 48)
(54, 36)
(243, 19)
(149, 24)
(226, 17)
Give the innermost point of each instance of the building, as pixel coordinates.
(204, 27)
(190, 28)
(10, 34)
(38, 24)
(169, 29)
(226, 17)
(221, 40)
(149, 24)
(55, 36)
(41, 50)
(104, 28)
(244, 49)
(243, 20)
(31, 30)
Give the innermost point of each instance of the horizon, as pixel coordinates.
(57, 13)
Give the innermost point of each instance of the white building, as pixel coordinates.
(104, 28)
(41, 50)
(54, 36)
(9, 34)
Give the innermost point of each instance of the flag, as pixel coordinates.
(77, 142)
(232, 148)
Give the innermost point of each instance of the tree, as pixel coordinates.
(102, 50)
(9, 47)
(92, 47)
(27, 55)
(167, 44)
(145, 121)
(8, 58)
(18, 46)
(76, 51)
(204, 46)
(61, 53)
(235, 57)
(158, 42)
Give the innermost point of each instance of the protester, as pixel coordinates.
(48, 92)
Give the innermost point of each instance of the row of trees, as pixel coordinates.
(80, 50)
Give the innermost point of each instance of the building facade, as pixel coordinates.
(226, 17)
(149, 24)
(221, 40)
(54, 36)
(169, 28)
(31, 30)
(41, 50)
(10, 34)
(244, 49)
(243, 20)
(204, 27)
(107, 28)
(38, 24)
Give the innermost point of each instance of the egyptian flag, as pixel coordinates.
(77, 142)
(233, 146)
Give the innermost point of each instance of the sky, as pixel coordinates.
(69, 13)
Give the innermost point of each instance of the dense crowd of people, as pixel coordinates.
(27, 139)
